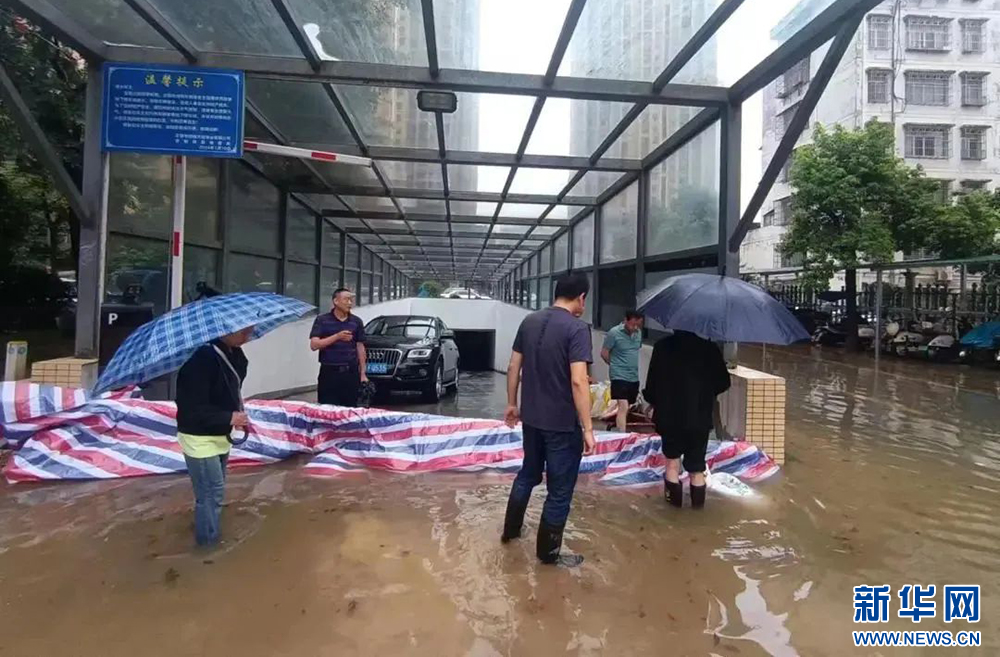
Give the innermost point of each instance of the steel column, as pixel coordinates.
(419, 77)
(94, 223)
(642, 224)
(878, 315)
(177, 236)
(729, 189)
(165, 29)
(791, 137)
(817, 32)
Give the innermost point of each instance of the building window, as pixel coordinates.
(927, 33)
(784, 119)
(768, 219)
(782, 261)
(928, 88)
(943, 193)
(973, 143)
(879, 32)
(973, 89)
(783, 211)
(969, 186)
(878, 85)
(786, 168)
(973, 35)
(794, 78)
(930, 142)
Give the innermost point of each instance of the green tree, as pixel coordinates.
(434, 288)
(854, 202)
(967, 229)
(36, 224)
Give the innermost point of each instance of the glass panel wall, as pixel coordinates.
(544, 292)
(301, 232)
(254, 207)
(201, 269)
(583, 243)
(351, 257)
(329, 281)
(617, 294)
(249, 273)
(560, 254)
(140, 207)
(684, 197)
(365, 290)
(201, 202)
(300, 282)
(618, 225)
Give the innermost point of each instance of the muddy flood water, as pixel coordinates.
(892, 478)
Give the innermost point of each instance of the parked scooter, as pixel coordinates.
(914, 339)
(945, 346)
(835, 335)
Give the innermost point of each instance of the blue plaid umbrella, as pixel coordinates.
(164, 344)
(721, 308)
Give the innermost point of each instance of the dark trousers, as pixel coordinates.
(338, 385)
(558, 454)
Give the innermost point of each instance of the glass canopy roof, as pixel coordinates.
(561, 103)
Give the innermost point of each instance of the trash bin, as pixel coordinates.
(118, 320)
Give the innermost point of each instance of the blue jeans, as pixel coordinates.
(208, 478)
(558, 454)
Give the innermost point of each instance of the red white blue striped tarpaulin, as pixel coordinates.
(21, 401)
(111, 438)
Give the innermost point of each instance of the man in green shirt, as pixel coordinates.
(621, 353)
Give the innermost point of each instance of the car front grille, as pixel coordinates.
(390, 357)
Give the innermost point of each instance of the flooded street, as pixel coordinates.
(892, 478)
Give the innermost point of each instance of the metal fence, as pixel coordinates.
(977, 304)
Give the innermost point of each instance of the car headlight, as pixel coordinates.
(419, 354)
(963, 354)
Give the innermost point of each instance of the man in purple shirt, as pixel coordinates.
(551, 355)
(339, 337)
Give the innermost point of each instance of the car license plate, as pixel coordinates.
(378, 368)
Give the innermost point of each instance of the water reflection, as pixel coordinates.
(892, 477)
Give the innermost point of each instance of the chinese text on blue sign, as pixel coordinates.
(177, 110)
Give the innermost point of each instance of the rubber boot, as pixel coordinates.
(549, 544)
(698, 496)
(513, 520)
(673, 493)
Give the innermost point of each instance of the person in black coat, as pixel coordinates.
(209, 405)
(686, 374)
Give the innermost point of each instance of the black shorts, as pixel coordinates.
(689, 444)
(627, 390)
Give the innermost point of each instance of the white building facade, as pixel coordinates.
(929, 67)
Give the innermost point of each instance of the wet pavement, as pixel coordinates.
(893, 477)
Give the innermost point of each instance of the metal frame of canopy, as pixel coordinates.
(487, 262)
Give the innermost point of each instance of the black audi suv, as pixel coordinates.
(412, 353)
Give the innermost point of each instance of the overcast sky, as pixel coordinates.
(519, 35)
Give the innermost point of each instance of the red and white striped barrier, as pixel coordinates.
(306, 153)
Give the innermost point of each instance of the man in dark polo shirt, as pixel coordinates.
(339, 337)
(552, 352)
